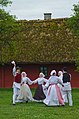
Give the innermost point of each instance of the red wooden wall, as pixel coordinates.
(32, 70)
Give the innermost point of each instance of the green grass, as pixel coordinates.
(34, 110)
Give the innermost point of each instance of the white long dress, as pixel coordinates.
(25, 92)
(54, 96)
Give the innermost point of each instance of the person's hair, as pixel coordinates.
(65, 69)
(18, 68)
(54, 73)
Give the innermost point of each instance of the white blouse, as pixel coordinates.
(53, 80)
(40, 81)
(26, 80)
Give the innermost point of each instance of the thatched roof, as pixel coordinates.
(45, 41)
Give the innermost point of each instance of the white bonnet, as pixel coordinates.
(52, 72)
(60, 72)
(24, 74)
(42, 74)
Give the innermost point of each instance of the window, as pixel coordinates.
(44, 70)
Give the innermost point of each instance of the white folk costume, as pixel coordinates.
(16, 84)
(67, 87)
(60, 75)
(40, 93)
(54, 96)
(25, 92)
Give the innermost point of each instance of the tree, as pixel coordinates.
(73, 21)
(8, 28)
(5, 2)
(73, 24)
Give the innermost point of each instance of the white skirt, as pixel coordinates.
(25, 93)
(54, 96)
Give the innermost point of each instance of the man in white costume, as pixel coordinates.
(67, 86)
(16, 83)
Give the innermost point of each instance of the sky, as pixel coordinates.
(35, 9)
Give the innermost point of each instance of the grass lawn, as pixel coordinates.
(34, 110)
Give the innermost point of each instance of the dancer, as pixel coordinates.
(40, 93)
(60, 75)
(25, 92)
(54, 96)
(17, 81)
(67, 87)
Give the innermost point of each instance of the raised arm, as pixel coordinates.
(14, 70)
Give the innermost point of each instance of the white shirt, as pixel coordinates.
(40, 81)
(26, 80)
(53, 80)
(17, 85)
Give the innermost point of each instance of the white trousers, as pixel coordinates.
(67, 96)
(15, 94)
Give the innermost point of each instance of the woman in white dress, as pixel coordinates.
(54, 96)
(25, 92)
(40, 93)
(60, 75)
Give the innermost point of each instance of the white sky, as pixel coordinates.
(34, 9)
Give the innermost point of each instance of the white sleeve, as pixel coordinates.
(45, 80)
(14, 71)
(48, 82)
(70, 77)
(29, 81)
(59, 81)
(35, 81)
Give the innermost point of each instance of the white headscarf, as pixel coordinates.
(42, 74)
(61, 74)
(23, 74)
(53, 72)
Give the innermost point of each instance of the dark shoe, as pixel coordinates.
(26, 101)
(14, 104)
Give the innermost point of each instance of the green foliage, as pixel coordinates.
(73, 21)
(8, 28)
(77, 59)
(5, 2)
(73, 24)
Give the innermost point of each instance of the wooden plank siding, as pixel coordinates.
(32, 70)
